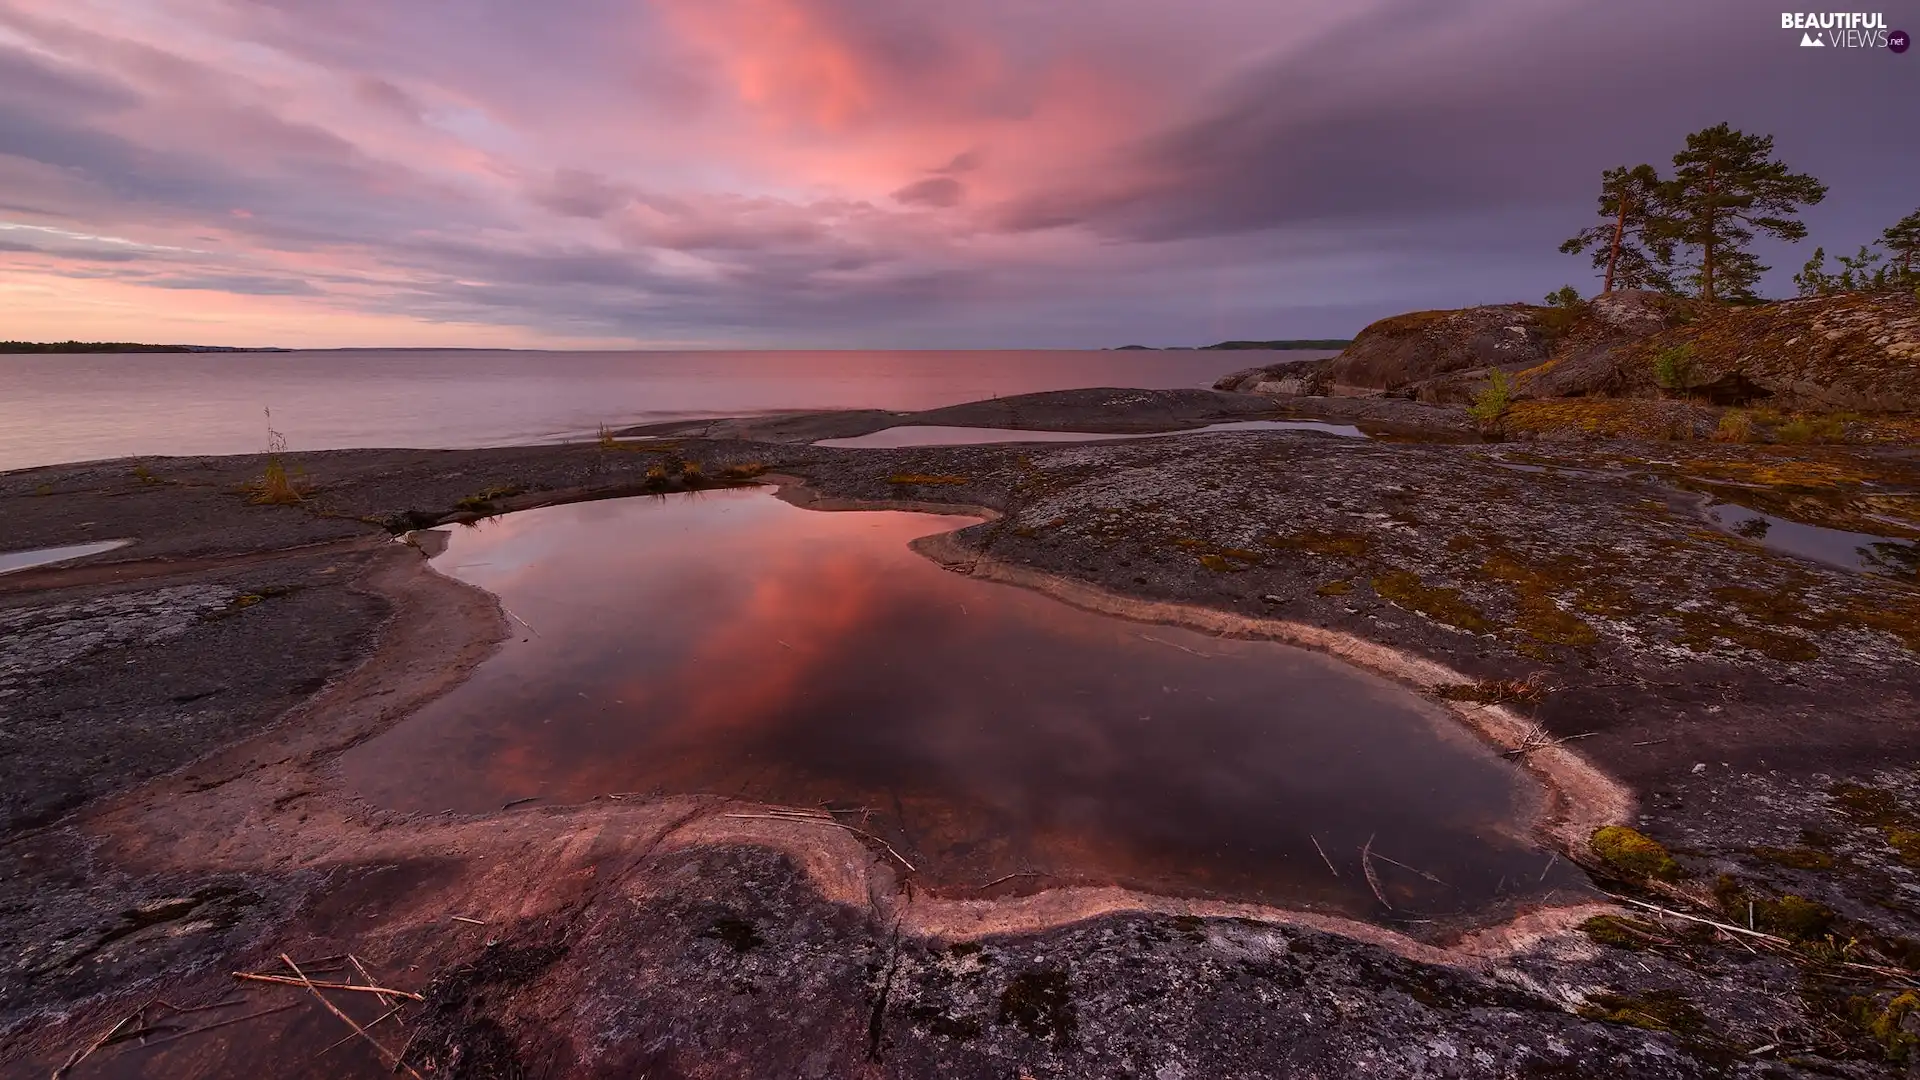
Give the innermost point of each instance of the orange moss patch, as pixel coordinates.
(1603, 418)
(1535, 590)
(926, 479)
(1783, 472)
(1437, 602)
(1339, 544)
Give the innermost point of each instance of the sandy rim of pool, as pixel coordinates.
(274, 804)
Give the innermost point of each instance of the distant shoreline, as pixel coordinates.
(31, 348)
(36, 347)
(1280, 345)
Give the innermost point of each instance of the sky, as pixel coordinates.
(870, 173)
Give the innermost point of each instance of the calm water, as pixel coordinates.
(936, 435)
(11, 561)
(731, 643)
(78, 408)
(1835, 547)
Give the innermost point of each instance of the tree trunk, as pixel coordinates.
(1706, 262)
(1619, 229)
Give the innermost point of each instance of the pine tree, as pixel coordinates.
(1726, 185)
(1626, 247)
(1902, 238)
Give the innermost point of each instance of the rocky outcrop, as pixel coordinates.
(1855, 352)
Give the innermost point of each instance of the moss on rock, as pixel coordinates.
(1633, 852)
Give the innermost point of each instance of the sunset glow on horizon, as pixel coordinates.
(862, 173)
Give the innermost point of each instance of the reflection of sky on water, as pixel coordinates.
(938, 435)
(731, 643)
(1834, 547)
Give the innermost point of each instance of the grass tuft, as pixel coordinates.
(276, 486)
(745, 470)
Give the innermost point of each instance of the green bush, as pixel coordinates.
(1490, 405)
(1673, 367)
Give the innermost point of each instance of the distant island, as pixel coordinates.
(1285, 343)
(1279, 345)
(118, 347)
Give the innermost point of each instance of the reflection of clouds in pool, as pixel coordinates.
(990, 728)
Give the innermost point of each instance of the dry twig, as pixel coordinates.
(1415, 869)
(1323, 855)
(384, 1053)
(801, 815)
(84, 1052)
(225, 1023)
(282, 980)
(368, 979)
(1373, 879)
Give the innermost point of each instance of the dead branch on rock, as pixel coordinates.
(385, 1054)
(366, 978)
(228, 1022)
(818, 819)
(345, 1039)
(282, 980)
(86, 1051)
(1534, 737)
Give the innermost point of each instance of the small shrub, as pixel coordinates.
(745, 470)
(1886, 1022)
(1335, 588)
(1673, 367)
(1735, 426)
(276, 487)
(1634, 852)
(1812, 429)
(1566, 296)
(1490, 405)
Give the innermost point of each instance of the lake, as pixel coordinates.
(57, 408)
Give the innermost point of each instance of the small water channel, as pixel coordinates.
(935, 435)
(1860, 552)
(731, 643)
(13, 561)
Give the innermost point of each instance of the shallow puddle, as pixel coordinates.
(12, 561)
(731, 643)
(1863, 552)
(933, 435)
